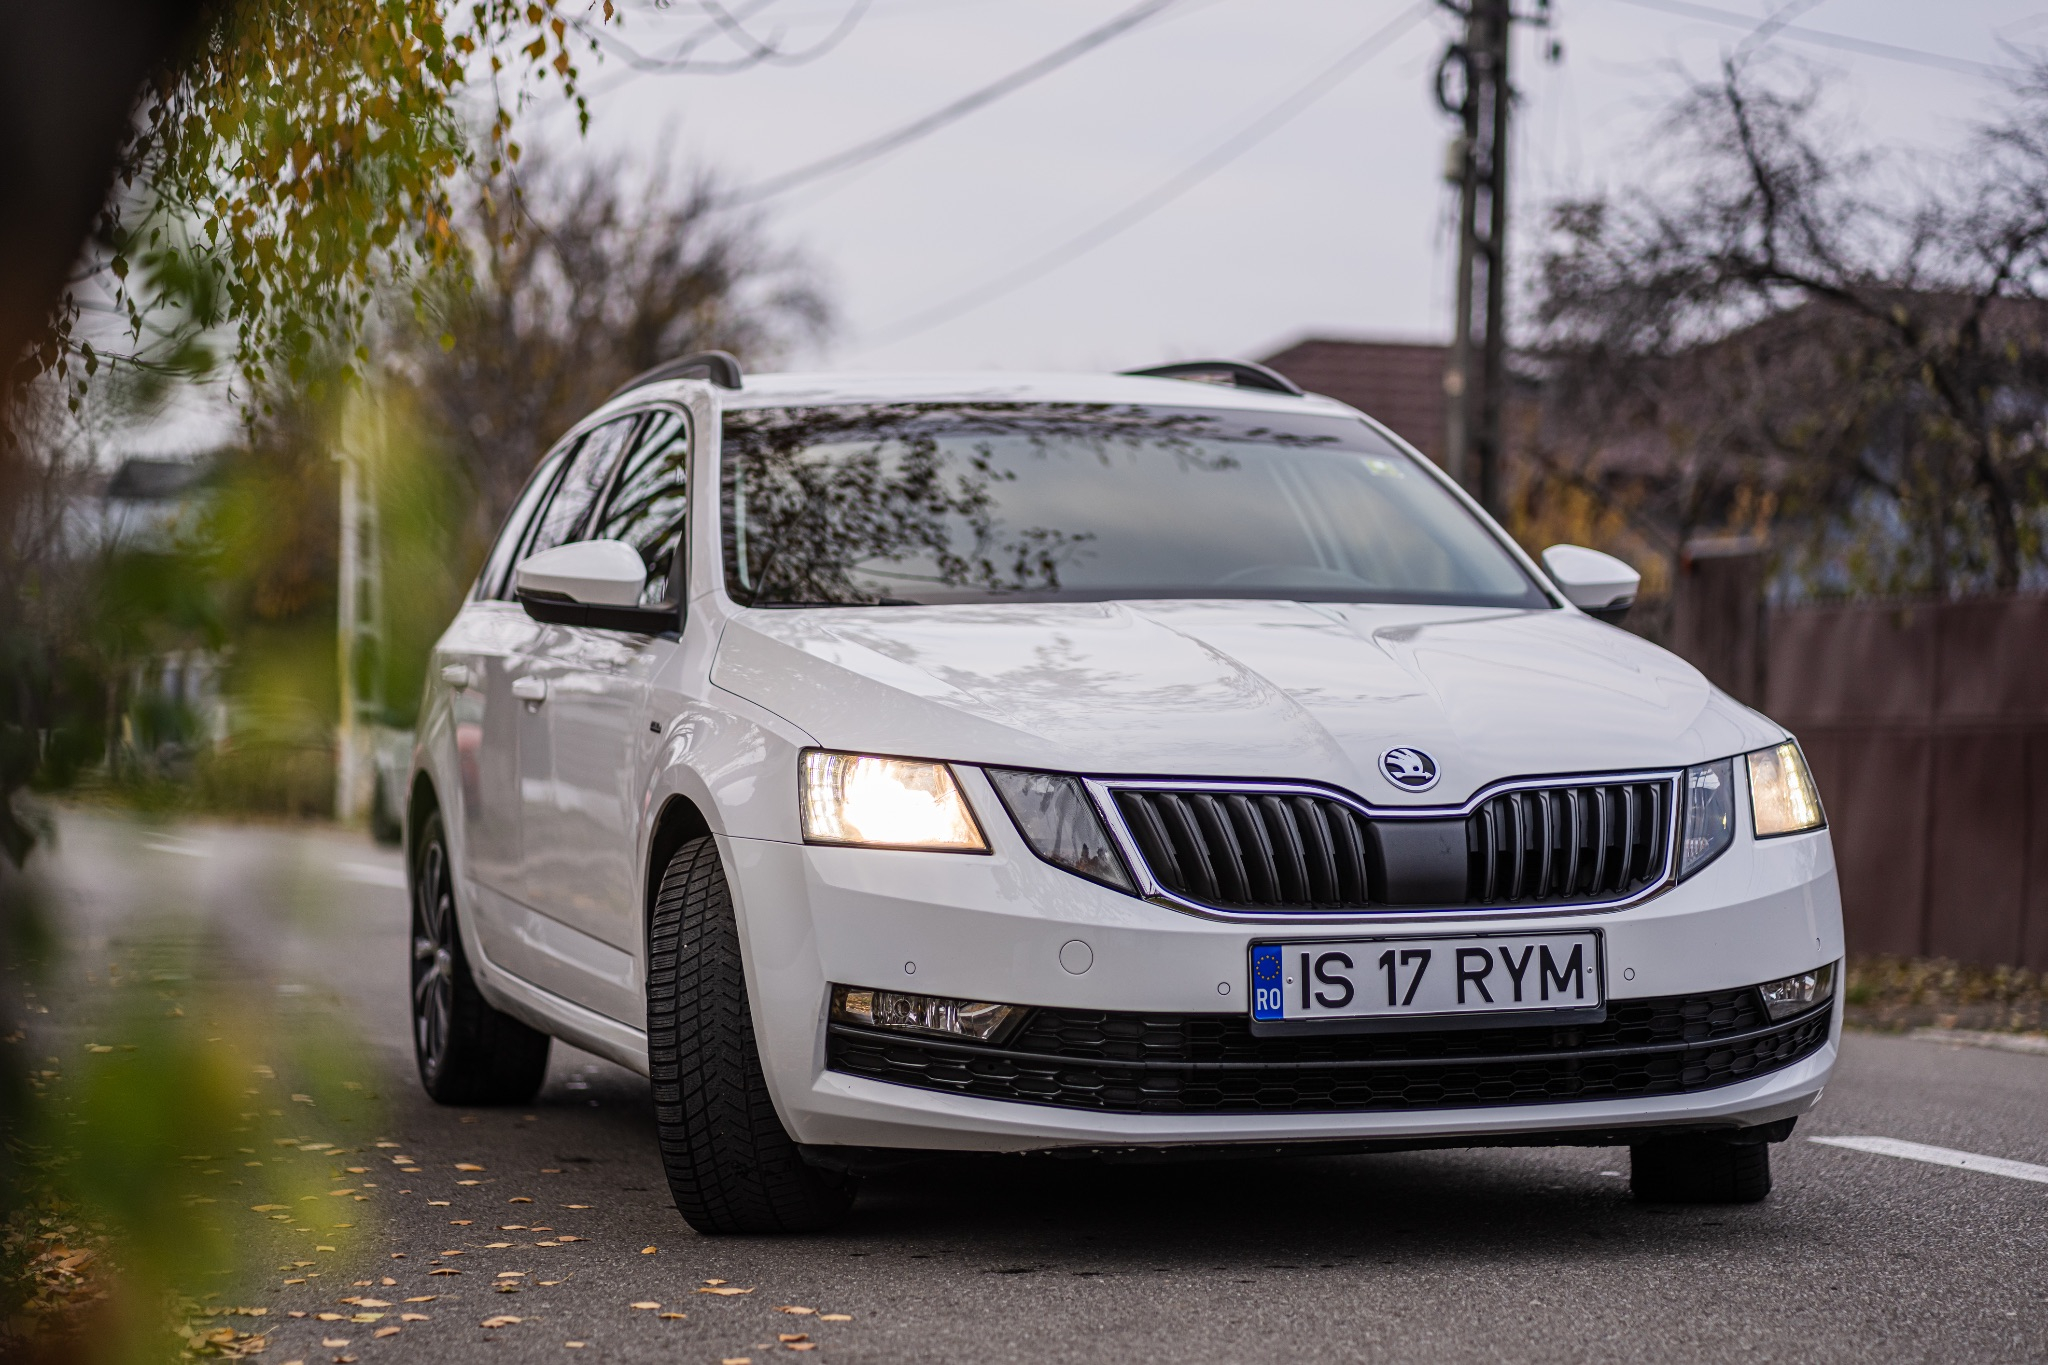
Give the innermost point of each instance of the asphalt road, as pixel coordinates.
(1480, 1255)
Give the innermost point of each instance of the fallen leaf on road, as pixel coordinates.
(437, 1203)
(726, 1292)
(423, 1298)
(792, 1308)
(414, 1317)
(569, 1239)
(383, 1332)
(469, 1182)
(714, 1281)
(835, 1317)
(519, 1199)
(575, 1345)
(322, 1248)
(547, 1244)
(737, 1360)
(331, 1342)
(511, 1274)
(294, 1281)
(646, 1251)
(371, 1303)
(444, 1270)
(344, 1360)
(786, 1337)
(389, 1281)
(575, 1206)
(646, 1303)
(460, 1222)
(672, 1316)
(335, 1192)
(267, 1208)
(367, 1317)
(357, 1170)
(467, 1166)
(330, 1317)
(494, 1246)
(502, 1320)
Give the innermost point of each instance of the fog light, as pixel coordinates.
(1796, 994)
(976, 1019)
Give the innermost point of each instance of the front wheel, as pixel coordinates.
(731, 1166)
(468, 1053)
(1699, 1170)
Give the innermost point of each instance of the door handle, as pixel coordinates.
(456, 676)
(530, 689)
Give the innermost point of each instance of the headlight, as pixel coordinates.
(976, 1019)
(1782, 797)
(1708, 826)
(885, 803)
(1057, 819)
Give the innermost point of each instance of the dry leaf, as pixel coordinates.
(570, 1239)
(672, 1316)
(367, 1317)
(725, 1292)
(469, 1182)
(371, 1303)
(467, 1166)
(437, 1203)
(835, 1317)
(267, 1208)
(460, 1222)
(444, 1270)
(357, 1170)
(575, 1345)
(502, 1320)
(792, 1336)
(792, 1308)
(423, 1298)
(547, 1244)
(519, 1199)
(495, 1246)
(383, 1332)
(646, 1303)
(714, 1282)
(575, 1206)
(646, 1251)
(387, 1280)
(737, 1360)
(330, 1317)
(332, 1342)
(414, 1317)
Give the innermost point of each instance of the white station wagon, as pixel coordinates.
(1112, 763)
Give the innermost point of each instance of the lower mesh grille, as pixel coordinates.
(1211, 1063)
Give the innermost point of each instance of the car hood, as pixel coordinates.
(1301, 691)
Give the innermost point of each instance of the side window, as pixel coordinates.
(581, 483)
(646, 508)
(496, 579)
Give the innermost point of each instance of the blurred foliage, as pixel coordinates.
(295, 160)
(1918, 992)
(176, 1138)
(1783, 330)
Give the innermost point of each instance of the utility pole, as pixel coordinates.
(359, 609)
(1472, 86)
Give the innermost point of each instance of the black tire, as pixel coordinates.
(1699, 1170)
(731, 1167)
(468, 1053)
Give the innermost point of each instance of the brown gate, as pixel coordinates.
(1927, 728)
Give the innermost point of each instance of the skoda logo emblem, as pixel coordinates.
(1408, 768)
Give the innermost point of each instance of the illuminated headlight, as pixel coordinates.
(1796, 994)
(1782, 797)
(1057, 819)
(1708, 823)
(885, 803)
(976, 1019)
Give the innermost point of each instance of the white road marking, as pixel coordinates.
(369, 874)
(1941, 1156)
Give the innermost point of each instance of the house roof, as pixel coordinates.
(1401, 383)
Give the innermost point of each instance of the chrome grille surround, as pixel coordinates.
(1522, 804)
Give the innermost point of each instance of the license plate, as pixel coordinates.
(1402, 978)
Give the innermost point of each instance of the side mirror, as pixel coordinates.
(1597, 584)
(590, 583)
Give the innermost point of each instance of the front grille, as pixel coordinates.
(1211, 1063)
(1294, 851)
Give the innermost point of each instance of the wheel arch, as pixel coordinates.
(679, 822)
(420, 802)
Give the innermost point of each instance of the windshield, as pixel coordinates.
(911, 503)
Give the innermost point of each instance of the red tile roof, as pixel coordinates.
(1399, 382)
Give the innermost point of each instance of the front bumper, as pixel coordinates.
(993, 928)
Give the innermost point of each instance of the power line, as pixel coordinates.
(950, 113)
(1821, 38)
(1144, 207)
(724, 23)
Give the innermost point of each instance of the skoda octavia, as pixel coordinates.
(1111, 763)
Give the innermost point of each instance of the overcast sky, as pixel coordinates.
(1337, 223)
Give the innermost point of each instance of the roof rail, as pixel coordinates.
(1239, 374)
(717, 366)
